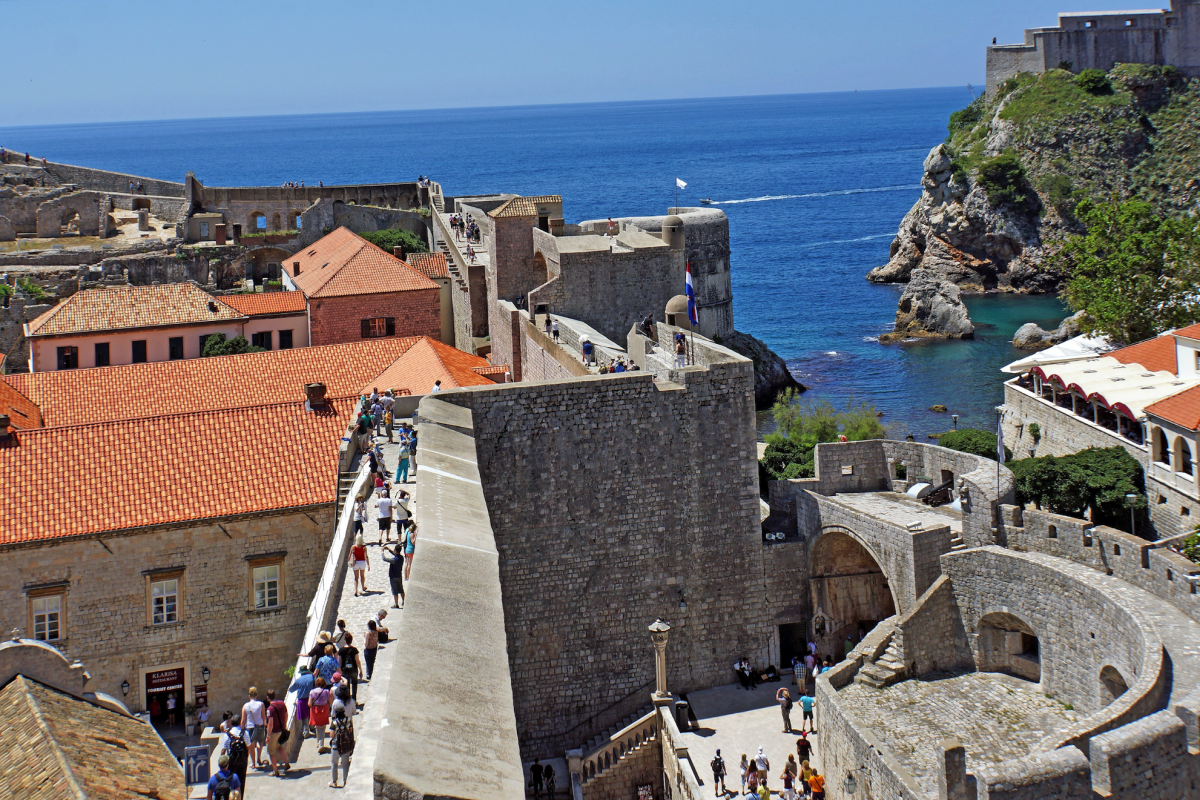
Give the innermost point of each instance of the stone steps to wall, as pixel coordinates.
(606, 735)
(888, 669)
(345, 483)
(957, 544)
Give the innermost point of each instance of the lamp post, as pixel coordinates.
(658, 635)
(954, 419)
(124, 688)
(204, 673)
(1131, 499)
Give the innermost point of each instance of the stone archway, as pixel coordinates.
(849, 590)
(1112, 684)
(1009, 644)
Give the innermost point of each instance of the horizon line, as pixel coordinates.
(475, 108)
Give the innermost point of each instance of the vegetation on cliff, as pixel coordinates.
(805, 424)
(973, 441)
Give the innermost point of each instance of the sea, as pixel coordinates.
(815, 186)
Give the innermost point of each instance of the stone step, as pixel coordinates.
(868, 680)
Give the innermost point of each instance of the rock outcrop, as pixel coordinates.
(931, 307)
(771, 375)
(1031, 336)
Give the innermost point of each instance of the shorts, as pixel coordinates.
(385, 523)
(398, 591)
(808, 714)
(360, 565)
(272, 742)
(257, 734)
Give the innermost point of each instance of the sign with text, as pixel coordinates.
(167, 680)
(201, 693)
(195, 764)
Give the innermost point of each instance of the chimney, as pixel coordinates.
(315, 394)
(4, 434)
(398, 252)
(295, 268)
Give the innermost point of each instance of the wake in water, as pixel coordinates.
(846, 241)
(816, 194)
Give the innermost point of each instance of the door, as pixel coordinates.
(792, 642)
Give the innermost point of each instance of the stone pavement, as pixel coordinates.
(310, 773)
(996, 717)
(737, 721)
(901, 509)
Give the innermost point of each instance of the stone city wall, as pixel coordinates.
(106, 604)
(583, 524)
(112, 182)
(326, 215)
(931, 636)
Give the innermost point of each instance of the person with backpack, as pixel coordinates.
(535, 779)
(718, 770)
(225, 784)
(277, 734)
(343, 745)
(784, 698)
(238, 753)
(351, 664)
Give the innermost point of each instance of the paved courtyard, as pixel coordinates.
(901, 509)
(996, 717)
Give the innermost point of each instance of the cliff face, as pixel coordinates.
(997, 195)
(771, 375)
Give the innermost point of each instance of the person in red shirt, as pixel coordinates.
(277, 715)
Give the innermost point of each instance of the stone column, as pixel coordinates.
(658, 635)
(953, 781)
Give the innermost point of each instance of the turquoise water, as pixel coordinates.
(814, 185)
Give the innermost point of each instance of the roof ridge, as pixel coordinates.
(59, 757)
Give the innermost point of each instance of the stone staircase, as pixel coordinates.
(607, 751)
(885, 670)
(345, 483)
(957, 543)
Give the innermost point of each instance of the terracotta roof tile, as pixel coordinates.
(493, 372)
(429, 361)
(1156, 355)
(261, 304)
(22, 412)
(162, 470)
(344, 263)
(1181, 409)
(105, 753)
(133, 307)
(81, 396)
(431, 265)
(523, 206)
(1190, 332)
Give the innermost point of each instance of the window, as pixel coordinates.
(285, 340)
(203, 230)
(139, 351)
(175, 347)
(203, 342)
(266, 586)
(46, 616)
(262, 339)
(1052, 532)
(1091, 23)
(164, 601)
(378, 327)
(102, 354)
(298, 221)
(68, 358)
(1131, 23)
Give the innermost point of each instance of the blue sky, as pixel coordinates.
(69, 61)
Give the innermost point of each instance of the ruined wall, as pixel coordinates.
(611, 499)
(326, 215)
(54, 214)
(114, 182)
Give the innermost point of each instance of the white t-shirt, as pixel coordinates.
(358, 516)
(402, 511)
(384, 505)
(387, 402)
(254, 713)
(436, 388)
(346, 704)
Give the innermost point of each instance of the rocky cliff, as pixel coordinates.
(998, 193)
(771, 374)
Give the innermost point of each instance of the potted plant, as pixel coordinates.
(189, 714)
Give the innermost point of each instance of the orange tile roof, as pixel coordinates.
(22, 412)
(431, 265)
(344, 263)
(261, 304)
(493, 372)
(80, 396)
(1181, 409)
(163, 470)
(428, 361)
(133, 307)
(1156, 355)
(523, 206)
(1190, 332)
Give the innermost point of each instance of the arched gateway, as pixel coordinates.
(849, 590)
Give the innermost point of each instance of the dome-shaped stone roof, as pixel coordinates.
(677, 304)
(672, 220)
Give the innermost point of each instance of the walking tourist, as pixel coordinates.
(410, 549)
(401, 515)
(277, 730)
(302, 686)
(359, 563)
(789, 785)
(784, 698)
(804, 747)
(342, 738)
(806, 703)
(535, 779)
(238, 752)
(680, 353)
(318, 711)
(359, 508)
(744, 769)
(395, 562)
(806, 773)
(383, 510)
(402, 467)
(254, 724)
(172, 701)
(317, 650)
(554, 329)
(798, 672)
(351, 664)
(342, 699)
(718, 771)
(752, 779)
(224, 785)
(764, 765)
(817, 784)
(327, 665)
(548, 779)
(371, 647)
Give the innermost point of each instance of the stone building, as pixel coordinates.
(357, 291)
(1101, 39)
(434, 267)
(274, 320)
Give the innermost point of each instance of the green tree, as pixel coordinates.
(1092, 483)
(393, 238)
(803, 424)
(974, 441)
(1003, 178)
(1134, 272)
(1094, 81)
(216, 345)
(966, 118)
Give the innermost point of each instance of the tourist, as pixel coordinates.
(798, 672)
(680, 353)
(377, 415)
(410, 549)
(437, 387)
(789, 786)
(327, 664)
(791, 765)
(343, 699)
(806, 704)
(276, 734)
(254, 724)
(588, 350)
(342, 737)
(535, 779)
(359, 562)
(224, 784)
(784, 698)
(817, 784)
(763, 792)
(804, 747)
(302, 686)
(317, 650)
(806, 773)
(400, 511)
(849, 645)
(763, 764)
(202, 718)
(612, 227)
(402, 467)
(339, 634)
(371, 647)
(412, 446)
(388, 423)
(554, 329)
(154, 708)
(752, 778)
(395, 562)
(547, 325)
(238, 752)
(380, 616)
(318, 711)
(548, 780)
(810, 664)
(718, 771)
(744, 769)
(383, 511)
(351, 664)
(359, 508)
(172, 701)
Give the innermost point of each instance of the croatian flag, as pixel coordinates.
(1000, 438)
(691, 295)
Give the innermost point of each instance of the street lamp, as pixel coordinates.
(1131, 499)
(851, 785)
(954, 419)
(204, 673)
(124, 688)
(658, 636)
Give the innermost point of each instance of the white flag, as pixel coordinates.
(680, 184)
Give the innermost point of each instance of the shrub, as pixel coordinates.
(966, 118)
(1066, 65)
(901, 471)
(1191, 548)
(1059, 192)
(1035, 431)
(216, 345)
(32, 289)
(1093, 481)
(1003, 178)
(1094, 81)
(804, 425)
(974, 441)
(392, 238)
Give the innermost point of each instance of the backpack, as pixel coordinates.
(223, 788)
(238, 754)
(343, 736)
(718, 765)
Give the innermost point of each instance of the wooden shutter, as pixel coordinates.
(391, 326)
(366, 329)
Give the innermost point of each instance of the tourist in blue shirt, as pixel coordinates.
(806, 703)
(225, 785)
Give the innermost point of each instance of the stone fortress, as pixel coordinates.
(1101, 39)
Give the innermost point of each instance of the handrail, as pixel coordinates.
(640, 690)
(608, 754)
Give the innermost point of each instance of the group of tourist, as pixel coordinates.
(618, 365)
(292, 185)
(4, 157)
(465, 228)
(798, 778)
(424, 182)
(135, 187)
(542, 779)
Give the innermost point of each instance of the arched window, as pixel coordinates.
(298, 222)
(258, 222)
(1183, 456)
(1162, 450)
